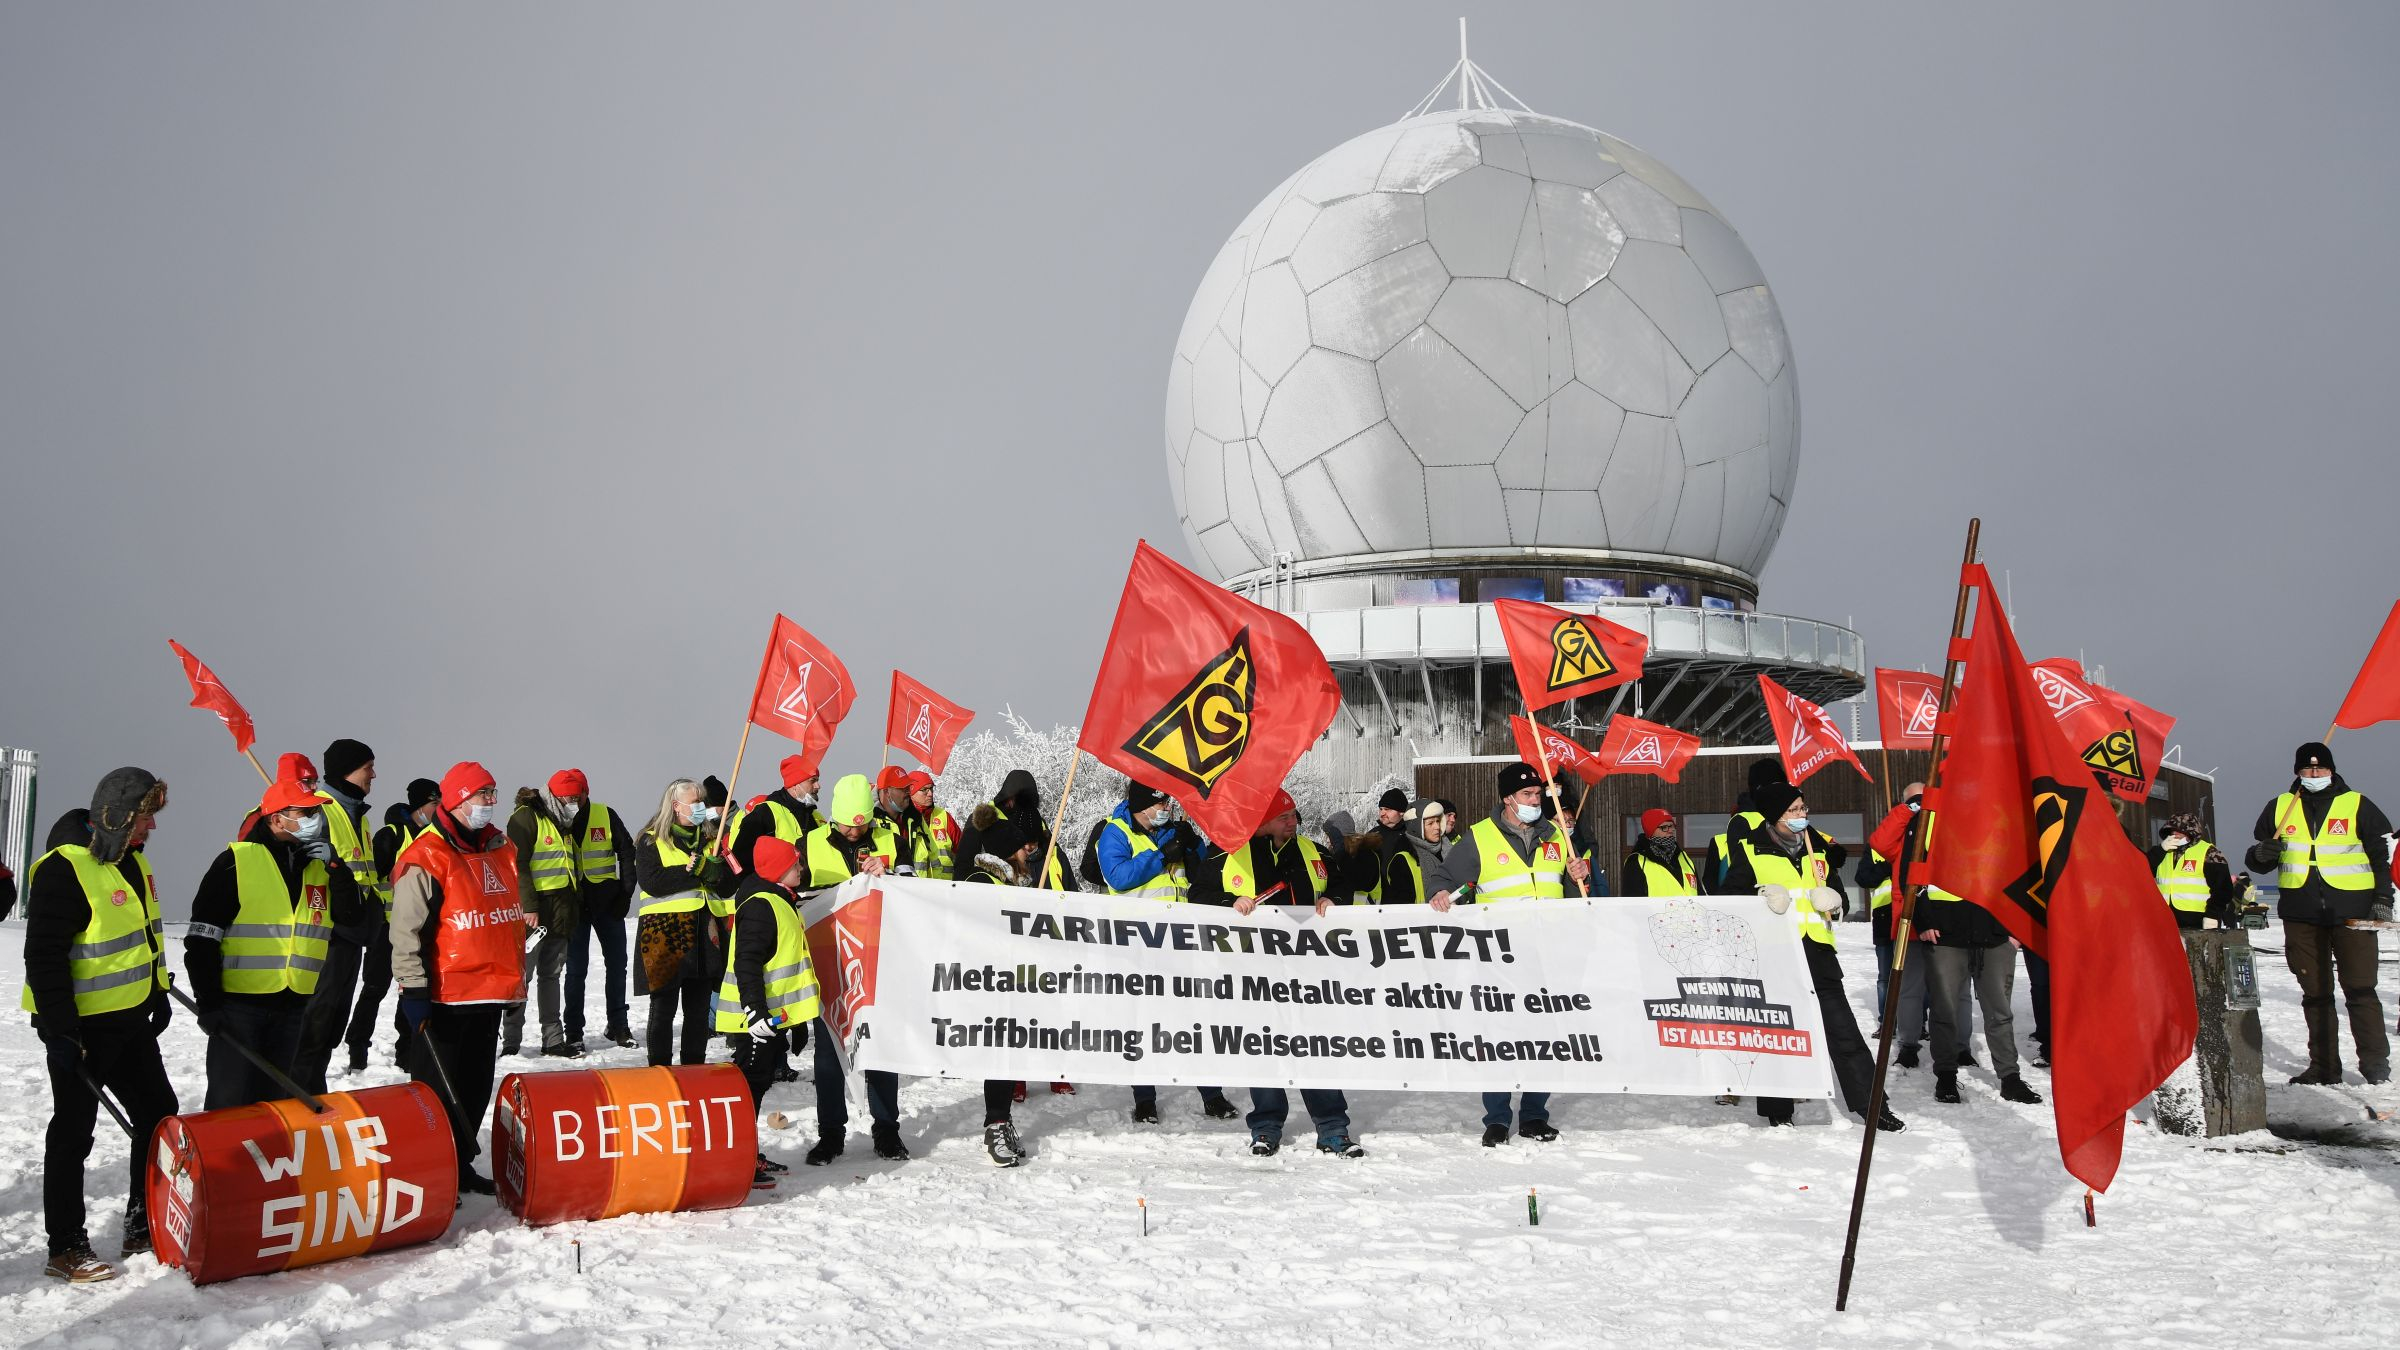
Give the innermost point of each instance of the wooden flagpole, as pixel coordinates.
(1058, 819)
(263, 775)
(1566, 822)
(1904, 903)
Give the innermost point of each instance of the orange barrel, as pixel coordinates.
(268, 1187)
(603, 1142)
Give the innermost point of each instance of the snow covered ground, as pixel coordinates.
(1664, 1222)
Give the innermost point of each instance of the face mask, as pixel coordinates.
(310, 828)
(1797, 824)
(2317, 784)
(2173, 842)
(702, 813)
(479, 816)
(805, 799)
(566, 807)
(1529, 814)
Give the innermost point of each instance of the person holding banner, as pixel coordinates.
(1511, 855)
(770, 989)
(261, 925)
(96, 982)
(1405, 873)
(1141, 853)
(458, 952)
(894, 812)
(938, 855)
(1658, 865)
(850, 844)
(1784, 860)
(1278, 866)
(685, 892)
(1007, 860)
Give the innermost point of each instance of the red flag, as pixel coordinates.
(803, 690)
(210, 692)
(923, 723)
(1533, 742)
(1559, 656)
(2038, 845)
(1635, 746)
(1806, 736)
(2121, 738)
(2375, 695)
(1206, 697)
(1907, 705)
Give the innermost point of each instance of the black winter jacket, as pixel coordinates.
(2313, 901)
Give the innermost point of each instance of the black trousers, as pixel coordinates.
(760, 1061)
(693, 1001)
(1853, 1063)
(999, 1100)
(269, 1024)
(467, 1038)
(124, 1061)
(374, 981)
(328, 1014)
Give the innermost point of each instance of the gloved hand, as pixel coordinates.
(161, 1011)
(210, 1017)
(1826, 900)
(1778, 898)
(64, 1053)
(415, 1006)
(321, 850)
(762, 1027)
(1172, 849)
(2381, 911)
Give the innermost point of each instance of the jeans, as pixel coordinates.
(124, 1060)
(269, 1025)
(1913, 997)
(833, 1111)
(611, 933)
(466, 1039)
(1534, 1109)
(1271, 1106)
(1993, 972)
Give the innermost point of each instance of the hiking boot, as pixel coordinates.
(1965, 1060)
(1145, 1113)
(1265, 1145)
(564, 1049)
(762, 1180)
(619, 1037)
(1000, 1143)
(1495, 1135)
(1908, 1057)
(1340, 1144)
(2317, 1077)
(79, 1265)
(358, 1059)
(767, 1164)
(823, 1151)
(2013, 1089)
(510, 1047)
(1945, 1087)
(137, 1229)
(1539, 1131)
(472, 1182)
(1889, 1123)
(887, 1144)
(1218, 1108)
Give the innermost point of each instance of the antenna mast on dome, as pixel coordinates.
(1475, 87)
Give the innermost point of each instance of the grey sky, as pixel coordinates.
(478, 381)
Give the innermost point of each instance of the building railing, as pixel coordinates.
(1472, 632)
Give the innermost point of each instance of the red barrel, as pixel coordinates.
(268, 1187)
(602, 1142)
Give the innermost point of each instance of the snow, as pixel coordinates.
(1664, 1222)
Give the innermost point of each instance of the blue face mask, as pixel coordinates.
(1529, 814)
(2317, 784)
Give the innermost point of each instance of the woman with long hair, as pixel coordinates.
(683, 899)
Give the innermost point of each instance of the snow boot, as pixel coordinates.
(1217, 1107)
(2377, 1075)
(887, 1144)
(1265, 1145)
(618, 1036)
(472, 1182)
(1145, 1113)
(1495, 1135)
(1539, 1131)
(137, 1228)
(762, 1179)
(1000, 1142)
(2317, 1076)
(1966, 1060)
(79, 1265)
(1889, 1123)
(1341, 1145)
(2013, 1089)
(825, 1150)
(563, 1049)
(1908, 1056)
(1945, 1086)
(767, 1164)
(358, 1059)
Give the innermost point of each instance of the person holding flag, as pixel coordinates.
(1658, 865)
(685, 893)
(2323, 840)
(1510, 856)
(850, 843)
(788, 813)
(1785, 859)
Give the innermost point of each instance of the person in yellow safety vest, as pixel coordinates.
(1745, 819)
(2324, 841)
(574, 862)
(684, 891)
(850, 844)
(96, 982)
(1658, 866)
(1405, 872)
(2194, 877)
(893, 813)
(403, 821)
(349, 776)
(1141, 851)
(1784, 860)
(1875, 876)
(770, 989)
(937, 841)
(788, 813)
(257, 939)
(1511, 855)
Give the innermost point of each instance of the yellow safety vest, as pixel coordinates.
(681, 902)
(1881, 895)
(557, 865)
(1505, 876)
(1241, 877)
(934, 853)
(1801, 878)
(1169, 884)
(277, 940)
(1415, 889)
(2183, 877)
(356, 849)
(118, 958)
(791, 982)
(827, 865)
(1659, 881)
(2335, 850)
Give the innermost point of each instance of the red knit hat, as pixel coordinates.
(1655, 817)
(797, 769)
(1283, 802)
(570, 783)
(296, 767)
(465, 779)
(893, 776)
(772, 857)
(919, 781)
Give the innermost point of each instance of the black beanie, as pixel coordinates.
(1141, 797)
(1517, 777)
(344, 758)
(2315, 754)
(1392, 800)
(1763, 772)
(1774, 799)
(421, 791)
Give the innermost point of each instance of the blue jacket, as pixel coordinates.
(1120, 866)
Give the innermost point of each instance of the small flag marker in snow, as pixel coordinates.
(577, 1244)
(2090, 1220)
(1142, 1203)
(1533, 1208)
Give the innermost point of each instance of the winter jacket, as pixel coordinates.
(56, 913)
(1463, 866)
(1122, 869)
(417, 905)
(754, 940)
(220, 899)
(759, 823)
(1632, 880)
(2223, 895)
(2313, 901)
(1408, 873)
(1018, 801)
(1357, 859)
(607, 898)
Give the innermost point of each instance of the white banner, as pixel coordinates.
(1683, 997)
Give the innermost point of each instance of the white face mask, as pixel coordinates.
(565, 807)
(310, 828)
(702, 813)
(2317, 784)
(1529, 814)
(479, 815)
(2174, 842)
(1796, 824)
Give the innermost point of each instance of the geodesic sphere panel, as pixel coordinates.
(1478, 329)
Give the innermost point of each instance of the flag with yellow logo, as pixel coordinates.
(1558, 655)
(1206, 697)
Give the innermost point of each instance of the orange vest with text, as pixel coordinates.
(479, 944)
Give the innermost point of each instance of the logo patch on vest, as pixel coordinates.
(2337, 827)
(491, 879)
(599, 834)
(1549, 850)
(1201, 733)
(1576, 655)
(316, 898)
(119, 898)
